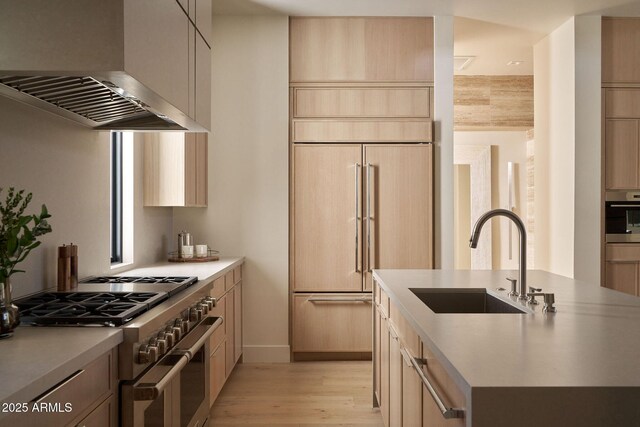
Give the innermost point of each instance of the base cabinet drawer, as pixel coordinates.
(217, 372)
(219, 334)
(105, 415)
(446, 388)
(75, 399)
(332, 323)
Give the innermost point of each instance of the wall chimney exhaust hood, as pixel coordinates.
(117, 64)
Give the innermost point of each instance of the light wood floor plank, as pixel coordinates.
(303, 394)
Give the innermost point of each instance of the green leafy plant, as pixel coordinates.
(19, 233)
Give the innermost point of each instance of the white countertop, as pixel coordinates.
(37, 358)
(592, 341)
(204, 270)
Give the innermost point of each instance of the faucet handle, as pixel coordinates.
(532, 298)
(514, 286)
(549, 300)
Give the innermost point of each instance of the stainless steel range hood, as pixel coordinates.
(117, 64)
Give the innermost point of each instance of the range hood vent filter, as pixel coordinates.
(101, 104)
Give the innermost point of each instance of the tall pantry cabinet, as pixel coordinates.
(361, 92)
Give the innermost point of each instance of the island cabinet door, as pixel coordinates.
(384, 370)
(326, 218)
(398, 207)
(446, 389)
(411, 393)
(395, 378)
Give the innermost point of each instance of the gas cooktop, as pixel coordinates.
(168, 284)
(86, 308)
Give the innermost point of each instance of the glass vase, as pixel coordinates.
(9, 316)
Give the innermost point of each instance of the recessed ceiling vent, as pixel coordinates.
(101, 105)
(462, 62)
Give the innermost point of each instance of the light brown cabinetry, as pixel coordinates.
(355, 208)
(403, 397)
(621, 50)
(331, 323)
(226, 342)
(326, 212)
(175, 169)
(622, 154)
(355, 82)
(361, 130)
(217, 372)
(395, 377)
(344, 102)
(622, 267)
(361, 49)
(622, 138)
(237, 322)
(90, 391)
(229, 319)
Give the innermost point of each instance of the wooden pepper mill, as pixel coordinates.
(73, 279)
(64, 268)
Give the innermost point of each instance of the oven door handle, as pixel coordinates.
(202, 333)
(150, 391)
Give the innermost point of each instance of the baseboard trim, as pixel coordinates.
(266, 354)
(331, 356)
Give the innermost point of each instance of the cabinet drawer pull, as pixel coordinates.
(369, 166)
(447, 412)
(357, 216)
(340, 299)
(59, 386)
(392, 331)
(406, 356)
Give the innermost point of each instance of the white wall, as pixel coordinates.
(248, 174)
(66, 167)
(554, 118)
(443, 142)
(507, 146)
(588, 148)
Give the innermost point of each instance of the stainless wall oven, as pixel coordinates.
(622, 216)
(174, 391)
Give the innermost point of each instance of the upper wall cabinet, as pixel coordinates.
(175, 169)
(361, 50)
(621, 50)
(123, 65)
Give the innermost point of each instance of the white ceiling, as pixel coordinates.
(493, 46)
(539, 16)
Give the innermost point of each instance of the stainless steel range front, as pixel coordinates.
(163, 360)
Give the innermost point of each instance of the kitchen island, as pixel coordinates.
(576, 367)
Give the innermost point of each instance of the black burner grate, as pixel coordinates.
(86, 308)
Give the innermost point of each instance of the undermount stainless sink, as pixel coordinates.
(464, 300)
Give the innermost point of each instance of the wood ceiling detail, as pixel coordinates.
(493, 102)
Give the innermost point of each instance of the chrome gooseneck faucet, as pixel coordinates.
(475, 236)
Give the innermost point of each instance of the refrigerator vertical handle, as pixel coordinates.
(357, 216)
(369, 168)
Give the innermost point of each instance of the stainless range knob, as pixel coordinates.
(168, 337)
(195, 314)
(211, 302)
(160, 344)
(204, 307)
(147, 354)
(183, 324)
